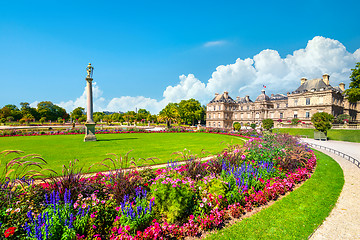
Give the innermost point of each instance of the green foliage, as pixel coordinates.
(2, 120)
(42, 120)
(173, 202)
(353, 92)
(322, 121)
(77, 113)
(191, 110)
(253, 125)
(341, 118)
(237, 126)
(51, 111)
(267, 124)
(295, 121)
(170, 113)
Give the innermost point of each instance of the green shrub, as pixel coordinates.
(42, 120)
(2, 120)
(295, 121)
(237, 126)
(253, 125)
(322, 121)
(268, 123)
(174, 200)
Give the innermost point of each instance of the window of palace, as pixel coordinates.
(219, 107)
(241, 107)
(321, 100)
(214, 108)
(235, 115)
(209, 116)
(278, 105)
(281, 115)
(307, 101)
(307, 115)
(295, 102)
(248, 108)
(219, 115)
(271, 115)
(286, 105)
(242, 115)
(295, 114)
(219, 124)
(214, 115)
(214, 124)
(248, 115)
(257, 115)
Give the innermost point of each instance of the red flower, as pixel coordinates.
(9, 232)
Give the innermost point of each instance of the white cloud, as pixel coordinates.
(244, 77)
(98, 100)
(214, 43)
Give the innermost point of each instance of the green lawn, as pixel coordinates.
(333, 134)
(60, 149)
(297, 215)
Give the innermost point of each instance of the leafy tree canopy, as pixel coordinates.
(322, 121)
(267, 124)
(353, 92)
(77, 113)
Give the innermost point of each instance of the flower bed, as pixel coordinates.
(168, 203)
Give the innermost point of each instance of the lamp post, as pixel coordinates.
(90, 124)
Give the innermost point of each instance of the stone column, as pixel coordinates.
(90, 124)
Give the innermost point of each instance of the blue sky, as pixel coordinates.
(148, 53)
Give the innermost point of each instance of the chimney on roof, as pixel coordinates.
(226, 94)
(342, 86)
(326, 79)
(237, 98)
(272, 95)
(247, 98)
(216, 94)
(303, 80)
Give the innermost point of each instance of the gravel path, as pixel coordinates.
(344, 220)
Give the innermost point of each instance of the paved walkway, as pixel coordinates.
(344, 220)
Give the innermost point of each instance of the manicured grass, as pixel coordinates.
(60, 149)
(333, 134)
(297, 215)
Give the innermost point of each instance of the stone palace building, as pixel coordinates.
(312, 96)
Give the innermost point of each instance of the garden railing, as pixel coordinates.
(341, 154)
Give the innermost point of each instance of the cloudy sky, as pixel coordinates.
(149, 53)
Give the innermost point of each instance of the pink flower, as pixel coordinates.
(93, 226)
(220, 197)
(243, 157)
(127, 228)
(201, 205)
(83, 205)
(117, 208)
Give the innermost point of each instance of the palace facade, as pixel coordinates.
(312, 96)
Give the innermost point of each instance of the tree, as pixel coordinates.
(26, 109)
(322, 121)
(267, 124)
(190, 110)
(51, 111)
(342, 118)
(10, 110)
(237, 126)
(353, 93)
(77, 113)
(27, 118)
(169, 113)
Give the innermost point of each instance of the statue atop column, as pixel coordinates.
(89, 70)
(90, 124)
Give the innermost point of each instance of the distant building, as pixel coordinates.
(312, 96)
